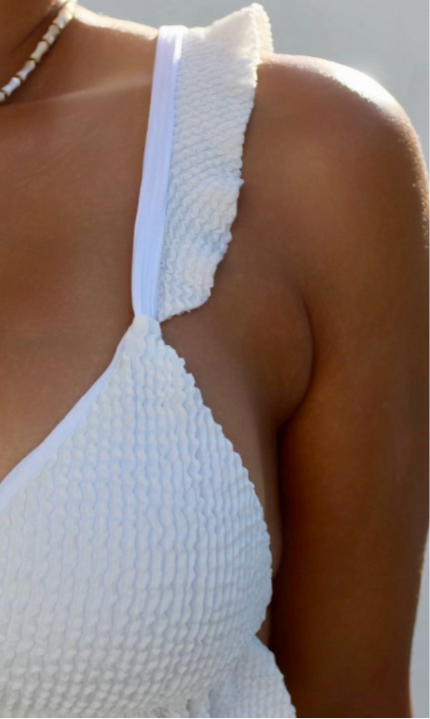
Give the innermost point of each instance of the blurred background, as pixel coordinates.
(388, 40)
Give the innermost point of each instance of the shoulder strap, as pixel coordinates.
(214, 95)
(151, 211)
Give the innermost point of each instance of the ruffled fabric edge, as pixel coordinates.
(214, 97)
(255, 689)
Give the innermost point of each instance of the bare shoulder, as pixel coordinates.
(349, 190)
(108, 53)
(338, 168)
(330, 133)
(114, 28)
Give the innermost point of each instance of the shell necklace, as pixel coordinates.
(63, 18)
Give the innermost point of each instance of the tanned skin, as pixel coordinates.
(312, 350)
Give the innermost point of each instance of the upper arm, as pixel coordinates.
(354, 456)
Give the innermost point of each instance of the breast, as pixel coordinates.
(135, 564)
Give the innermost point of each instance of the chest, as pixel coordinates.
(65, 297)
(139, 521)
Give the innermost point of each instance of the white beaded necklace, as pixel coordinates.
(63, 18)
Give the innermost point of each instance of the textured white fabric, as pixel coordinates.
(135, 563)
(215, 92)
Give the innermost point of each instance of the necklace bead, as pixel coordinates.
(61, 21)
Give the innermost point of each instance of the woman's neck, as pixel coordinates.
(22, 23)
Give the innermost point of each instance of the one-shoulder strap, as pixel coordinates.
(214, 96)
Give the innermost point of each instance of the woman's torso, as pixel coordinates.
(65, 273)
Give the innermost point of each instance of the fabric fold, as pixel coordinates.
(217, 77)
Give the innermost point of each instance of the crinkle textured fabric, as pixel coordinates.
(135, 562)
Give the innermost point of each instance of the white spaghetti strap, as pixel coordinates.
(150, 217)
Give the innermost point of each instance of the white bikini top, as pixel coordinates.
(135, 562)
